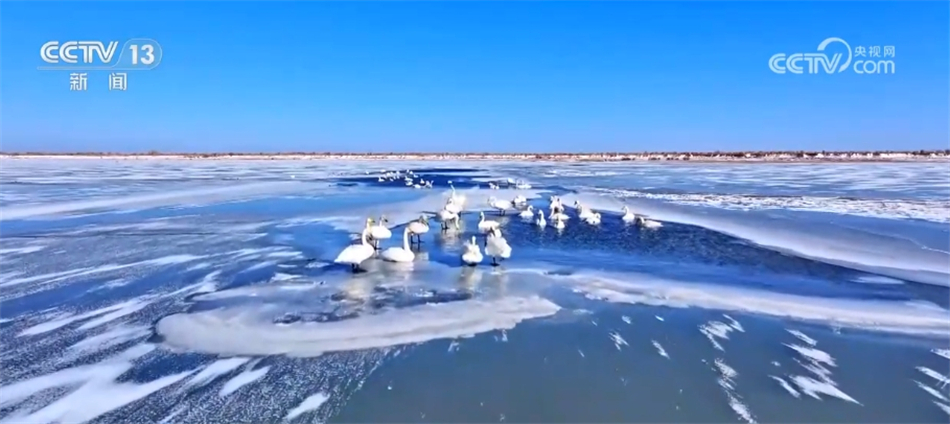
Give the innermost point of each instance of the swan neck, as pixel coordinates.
(405, 239)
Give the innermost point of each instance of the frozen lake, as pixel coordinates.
(205, 291)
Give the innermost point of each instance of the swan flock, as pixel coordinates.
(496, 246)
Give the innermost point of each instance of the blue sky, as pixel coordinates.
(478, 76)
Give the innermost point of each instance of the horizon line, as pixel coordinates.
(550, 154)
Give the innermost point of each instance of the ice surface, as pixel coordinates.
(929, 210)
(242, 379)
(815, 388)
(311, 403)
(659, 349)
(892, 257)
(814, 355)
(906, 317)
(932, 392)
(97, 393)
(105, 315)
(942, 380)
(113, 336)
(788, 388)
(803, 337)
(877, 279)
(251, 331)
(189, 196)
(59, 276)
(216, 369)
(618, 340)
(219, 308)
(727, 376)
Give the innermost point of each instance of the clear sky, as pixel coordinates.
(478, 76)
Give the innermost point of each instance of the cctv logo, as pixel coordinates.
(813, 63)
(53, 52)
(780, 63)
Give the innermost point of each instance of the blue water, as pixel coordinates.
(206, 291)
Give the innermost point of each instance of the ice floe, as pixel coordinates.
(250, 331)
(311, 403)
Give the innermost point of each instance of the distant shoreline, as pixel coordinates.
(755, 157)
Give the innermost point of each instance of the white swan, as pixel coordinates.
(501, 205)
(399, 254)
(582, 211)
(417, 228)
(456, 198)
(559, 216)
(453, 207)
(593, 219)
(355, 254)
(558, 223)
(556, 206)
(485, 225)
(472, 255)
(527, 213)
(497, 247)
(379, 231)
(648, 223)
(627, 215)
(540, 222)
(446, 216)
(520, 200)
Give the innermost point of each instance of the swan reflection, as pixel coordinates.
(469, 278)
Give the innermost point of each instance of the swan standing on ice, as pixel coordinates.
(540, 222)
(519, 200)
(485, 225)
(593, 219)
(472, 255)
(501, 205)
(417, 228)
(446, 216)
(627, 215)
(380, 232)
(453, 206)
(497, 247)
(648, 223)
(527, 213)
(399, 254)
(355, 254)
